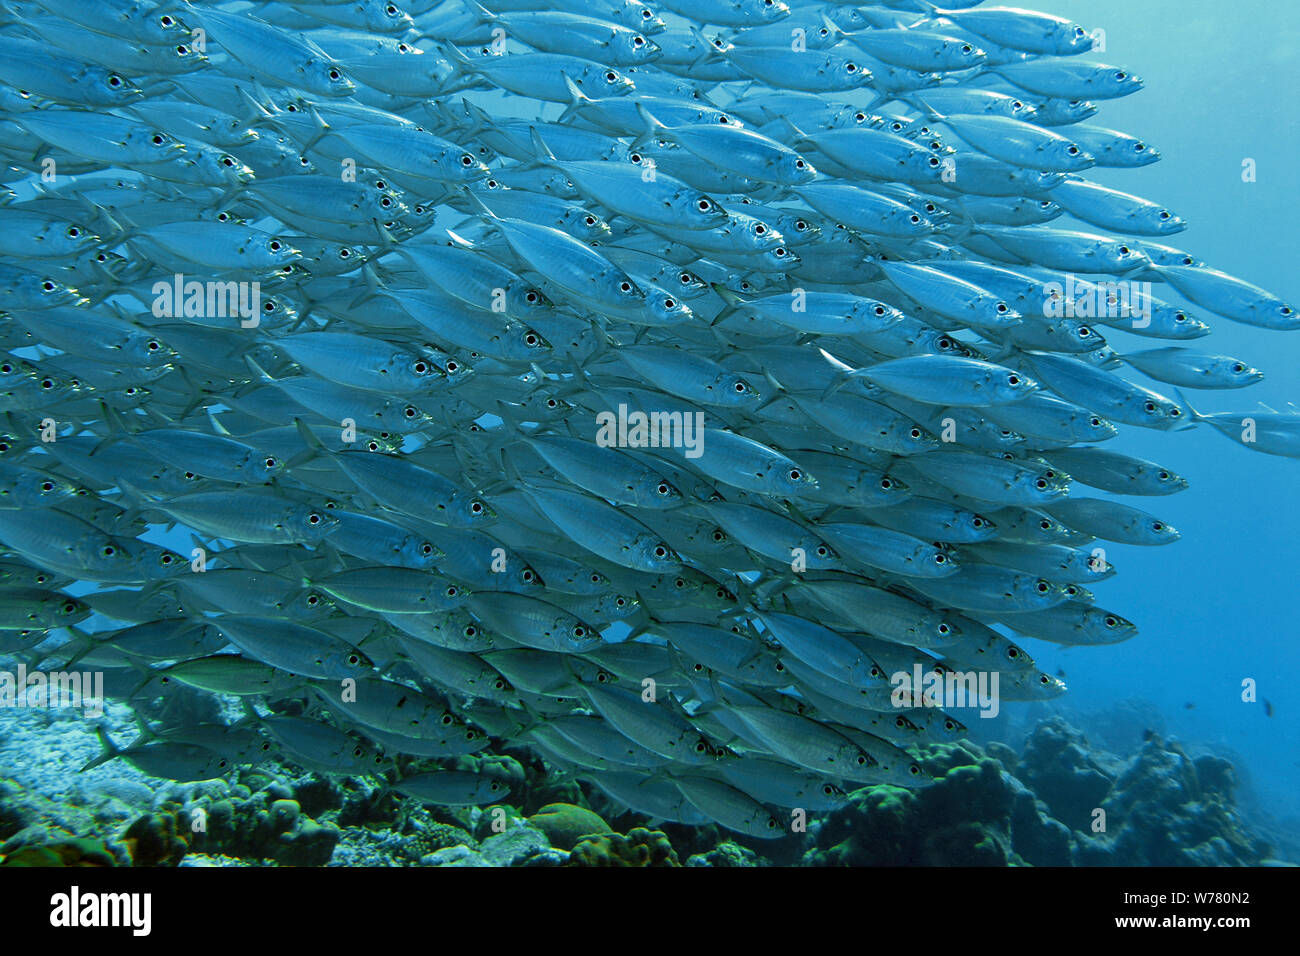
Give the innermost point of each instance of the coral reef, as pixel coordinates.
(639, 847)
(1058, 800)
(1060, 803)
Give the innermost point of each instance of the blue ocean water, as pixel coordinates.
(1218, 607)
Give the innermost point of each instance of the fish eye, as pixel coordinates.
(334, 74)
(967, 48)
(914, 433)
(1139, 147)
(851, 67)
(636, 158)
(1002, 308)
(114, 80)
(1124, 250)
(759, 229)
(914, 218)
(270, 462)
(274, 245)
(109, 551)
(590, 220)
(1073, 150)
(1120, 74)
(704, 206)
(779, 252)
(719, 535)
(313, 518)
(47, 286)
(1149, 406)
(1013, 379)
(934, 161)
(158, 139)
(638, 41)
(390, 10)
(410, 411)
(611, 76)
(1239, 367)
(799, 164)
(669, 304)
(1042, 587)
(476, 507)
(372, 445)
(625, 287)
(47, 486)
(446, 720)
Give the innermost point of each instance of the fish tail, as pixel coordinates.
(109, 751)
(652, 127)
(577, 99)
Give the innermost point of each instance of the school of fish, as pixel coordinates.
(645, 386)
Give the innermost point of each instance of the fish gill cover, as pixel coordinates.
(710, 398)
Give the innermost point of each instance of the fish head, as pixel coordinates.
(652, 553)
(1117, 82)
(1064, 112)
(475, 512)
(635, 16)
(704, 211)
(1068, 37)
(1068, 156)
(793, 170)
(309, 604)
(162, 27)
(108, 87)
(326, 77)
(762, 11)
(155, 562)
(157, 145)
(1096, 428)
(309, 524)
(1142, 154)
(667, 308)
(584, 224)
(1235, 371)
(602, 81)
(384, 16)
(686, 283)
(1042, 686)
(1106, 626)
(636, 48)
